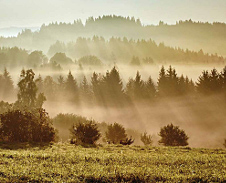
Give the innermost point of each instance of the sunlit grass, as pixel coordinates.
(67, 163)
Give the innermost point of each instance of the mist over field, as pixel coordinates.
(199, 115)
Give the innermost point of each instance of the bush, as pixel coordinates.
(146, 139)
(85, 133)
(115, 133)
(128, 141)
(63, 122)
(173, 136)
(26, 126)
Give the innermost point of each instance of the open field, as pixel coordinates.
(67, 163)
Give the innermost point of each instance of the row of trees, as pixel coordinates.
(186, 34)
(88, 133)
(124, 49)
(115, 50)
(109, 89)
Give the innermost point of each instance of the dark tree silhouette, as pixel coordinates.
(26, 126)
(62, 59)
(27, 89)
(173, 136)
(115, 133)
(36, 58)
(85, 133)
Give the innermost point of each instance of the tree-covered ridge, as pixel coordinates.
(185, 34)
(98, 51)
(109, 90)
(123, 50)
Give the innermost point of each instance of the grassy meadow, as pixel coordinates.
(111, 163)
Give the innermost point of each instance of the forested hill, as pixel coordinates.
(185, 34)
(122, 50)
(98, 51)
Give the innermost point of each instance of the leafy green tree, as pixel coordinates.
(115, 133)
(173, 136)
(27, 94)
(85, 133)
(5, 106)
(36, 58)
(27, 89)
(26, 126)
(63, 122)
(62, 59)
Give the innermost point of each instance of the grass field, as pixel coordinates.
(67, 163)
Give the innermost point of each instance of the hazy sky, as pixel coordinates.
(36, 12)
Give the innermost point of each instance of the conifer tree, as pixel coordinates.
(162, 82)
(8, 88)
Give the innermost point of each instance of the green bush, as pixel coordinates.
(85, 133)
(26, 126)
(115, 133)
(173, 136)
(63, 122)
(146, 139)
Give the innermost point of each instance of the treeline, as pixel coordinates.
(123, 50)
(184, 34)
(98, 52)
(109, 90)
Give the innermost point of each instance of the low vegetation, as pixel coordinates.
(173, 136)
(112, 163)
(146, 139)
(85, 133)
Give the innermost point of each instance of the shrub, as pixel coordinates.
(128, 141)
(173, 136)
(85, 133)
(115, 133)
(146, 139)
(63, 122)
(26, 126)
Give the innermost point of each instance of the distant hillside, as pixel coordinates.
(123, 50)
(13, 31)
(185, 34)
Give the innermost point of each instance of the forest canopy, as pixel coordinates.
(185, 34)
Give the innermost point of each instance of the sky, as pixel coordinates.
(28, 13)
